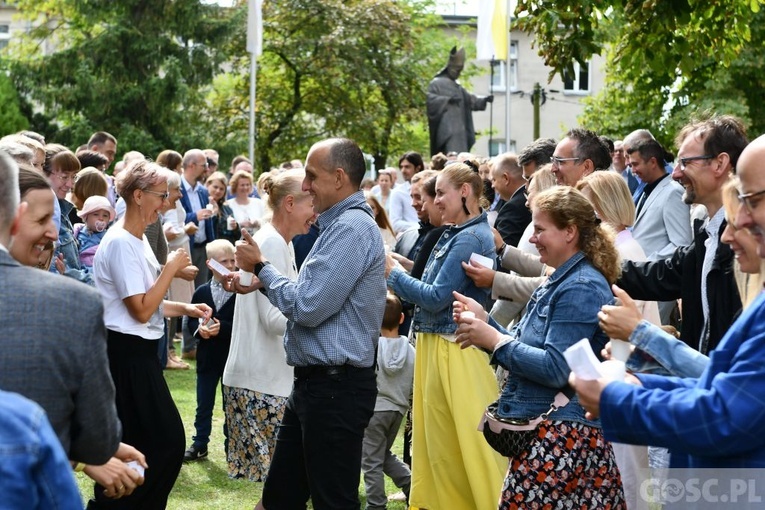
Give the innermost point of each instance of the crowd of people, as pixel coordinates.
(335, 311)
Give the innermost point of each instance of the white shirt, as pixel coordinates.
(125, 266)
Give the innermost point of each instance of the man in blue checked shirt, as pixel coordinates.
(334, 313)
(718, 419)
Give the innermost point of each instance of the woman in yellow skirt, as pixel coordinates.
(452, 466)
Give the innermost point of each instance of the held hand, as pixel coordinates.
(472, 331)
(126, 453)
(116, 477)
(247, 252)
(234, 285)
(390, 264)
(211, 329)
(201, 311)
(498, 241)
(190, 228)
(187, 273)
(482, 276)
(204, 214)
(60, 265)
(463, 303)
(405, 262)
(619, 321)
(490, 99)
(589, 392)
(606, 351)
(177, 260)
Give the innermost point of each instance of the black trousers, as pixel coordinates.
(318, 446)
(150, 421)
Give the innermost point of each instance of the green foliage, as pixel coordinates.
(355, 68)
(12, 119)
(666, 61)
(132, 68)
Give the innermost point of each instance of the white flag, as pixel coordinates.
(491, 40)
(255, 27)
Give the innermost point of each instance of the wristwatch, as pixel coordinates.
(259, 267)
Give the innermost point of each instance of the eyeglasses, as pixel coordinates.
(556, 161)
(205, 164)
(683, 162)
(66, 177)
(750, 200)
(163, 195)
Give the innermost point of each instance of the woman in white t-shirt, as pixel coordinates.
(257, 379)
(133, 286)
(248, 211)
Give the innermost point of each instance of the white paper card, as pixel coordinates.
(135, 466)
(219, 267)
(481, 260)
(582, 361)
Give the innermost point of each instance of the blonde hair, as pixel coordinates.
(264, 182)
(611, 197)
(217, 176)
(458, 174)
(749, 285)
(568, 207)
(289, 182)
(139, 174)
(423, 176)
(238, 176)
(543, 179)
(219, 247)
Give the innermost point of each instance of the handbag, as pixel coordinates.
(511, 436)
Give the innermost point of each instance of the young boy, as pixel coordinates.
(395, 373)
(214, 343)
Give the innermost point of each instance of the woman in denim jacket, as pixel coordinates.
(452, 466)
(570, 464)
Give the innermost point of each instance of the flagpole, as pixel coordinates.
(254, 47)
(253, 76)
(491, 108)
(508, 91)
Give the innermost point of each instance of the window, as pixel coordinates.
(499, 71)
(580, 82)
(5, 35)
(500, 147)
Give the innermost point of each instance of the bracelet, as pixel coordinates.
(501, 249)
(80, 467)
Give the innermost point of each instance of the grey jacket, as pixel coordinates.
(54, 353)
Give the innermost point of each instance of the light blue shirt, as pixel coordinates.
(335, 307)
(196, 204)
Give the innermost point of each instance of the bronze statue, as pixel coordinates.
(450, 108)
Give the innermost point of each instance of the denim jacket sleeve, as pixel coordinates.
(666, 354)
(569, 318)
(437, 295)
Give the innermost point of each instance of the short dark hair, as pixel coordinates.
(609, 143)
(590, 146)
(392, 315)
(414, 158)
(649, 149)
(539, 151)
(91, 158)
(100, 138)
(720, 133)
(346, 154)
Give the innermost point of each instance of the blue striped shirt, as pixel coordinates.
(335, 307)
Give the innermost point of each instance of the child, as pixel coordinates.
(97, 213)
(214, 343)
(395, 373)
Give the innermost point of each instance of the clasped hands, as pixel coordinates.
(246, 257)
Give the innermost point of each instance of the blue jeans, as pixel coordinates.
(318, 446)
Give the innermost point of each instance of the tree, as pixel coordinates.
(666, 61)
(11, 117)
(356, 68)
(132, 68)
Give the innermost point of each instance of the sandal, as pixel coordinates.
(176, 365)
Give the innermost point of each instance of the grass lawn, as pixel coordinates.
(205, 484)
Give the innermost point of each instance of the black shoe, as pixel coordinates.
(195, 453)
